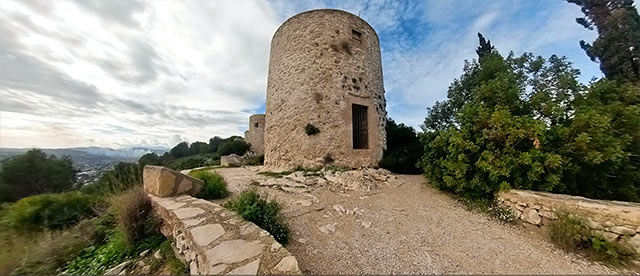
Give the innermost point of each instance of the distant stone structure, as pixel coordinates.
(325, 95)
(255, 134)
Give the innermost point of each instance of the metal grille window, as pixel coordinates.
(360, 126)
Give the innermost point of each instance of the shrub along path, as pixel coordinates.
(405, 227)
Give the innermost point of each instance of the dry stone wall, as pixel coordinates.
(321, 63)
(616, 221)
(212, 240)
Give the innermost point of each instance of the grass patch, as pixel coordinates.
(214, 185)
(308, 171)
(175, 266)
(251, 206)
(280, 174)
(570, 233)
(45, 252)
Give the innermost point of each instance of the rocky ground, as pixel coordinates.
(373, 222)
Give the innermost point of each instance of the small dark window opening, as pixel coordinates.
(356, 35)
(256, 124)
(360, 126)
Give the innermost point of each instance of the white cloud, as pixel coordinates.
(73, 69)
(122, 73)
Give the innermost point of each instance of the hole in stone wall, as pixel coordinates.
(356, 35)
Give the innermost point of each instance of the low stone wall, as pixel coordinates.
(616, 221)
(210, 239)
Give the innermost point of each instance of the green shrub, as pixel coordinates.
(50, 211)
(214, 185)
(571, 233)
(310, 129)
(266, 214)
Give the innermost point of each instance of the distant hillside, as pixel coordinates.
(89, 155)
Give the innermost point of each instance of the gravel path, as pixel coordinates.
(407, 227)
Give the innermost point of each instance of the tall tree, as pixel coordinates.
(35, 173)
(485, 47)
(617, 47)
(403, 150)
(180, 150)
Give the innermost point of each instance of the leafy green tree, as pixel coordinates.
(198, 148)
(617, 47)
(180, 150)
(233, 144)
(404, 149)
(484, 137)
(214, 144)
(149, 159)
(603, 143)
(34, 173)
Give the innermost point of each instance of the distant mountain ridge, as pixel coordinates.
(78, 154)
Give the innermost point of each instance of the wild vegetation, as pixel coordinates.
(252, 206)
(526, 122)
(197, 154)
(404, 149)
(78, 232)
(35, 173)
(571, 233)
(215, 186)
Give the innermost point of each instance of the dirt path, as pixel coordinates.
(408, 228)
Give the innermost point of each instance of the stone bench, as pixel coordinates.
(212, 240)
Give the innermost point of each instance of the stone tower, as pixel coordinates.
(325, 73)
(255, 134)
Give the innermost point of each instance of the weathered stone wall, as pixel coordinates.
(322, 62)
(616, 221)
(255, 136)
(210, 239)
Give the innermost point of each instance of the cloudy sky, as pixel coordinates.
(125, 73)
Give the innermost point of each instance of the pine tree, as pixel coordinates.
(617, 47)
(485, 47)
